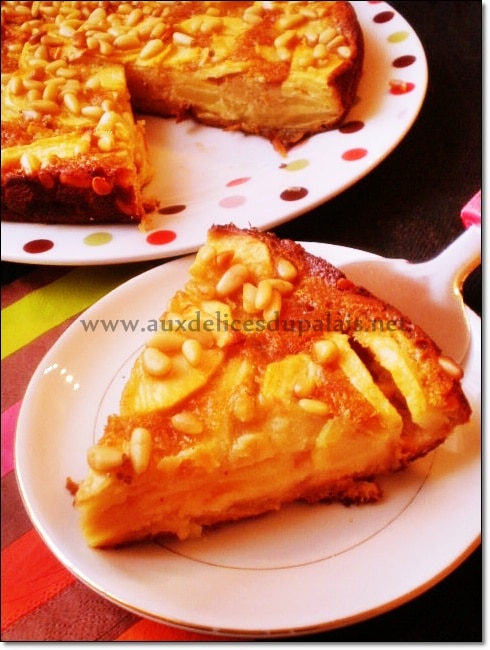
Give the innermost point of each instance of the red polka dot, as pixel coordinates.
(171, 209)
(404, 61)
(38, 246)
(352, 127)
(401, 87)
(354, 154)
(160, 237)
(238, 181)
(294, 193)
(384, 17)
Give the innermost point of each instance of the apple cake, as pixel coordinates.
(74, 74)
(271, 378)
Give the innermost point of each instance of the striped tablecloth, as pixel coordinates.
(41, 599)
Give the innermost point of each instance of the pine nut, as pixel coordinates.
(287, 22)
(192, 351)
(186, 422)
(206, 254)
(319, 51)
(156, 363)
(232, 280)
(273, 309)
(103, 458)
(166, 341)
(324, 351)
(106, 143)
(151, 49)
(127, 42)
(284, 39)
(140, 446)
(304, 386)
(248, 298)
(45, 106)
(263, 295)
(450, 366)
(313, 406)
(71, 102)
(181, 39)
(283, 286)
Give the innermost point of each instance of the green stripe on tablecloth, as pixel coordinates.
(44, 308)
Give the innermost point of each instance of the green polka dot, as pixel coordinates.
(296, 165)
(97, 239)
(398, 37)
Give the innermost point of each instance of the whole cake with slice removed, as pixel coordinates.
(72, 151)
(272, 378)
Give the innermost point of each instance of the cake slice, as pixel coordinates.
(271, 378)
(71, 148)
(73, 72)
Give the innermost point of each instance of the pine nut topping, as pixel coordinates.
(324, 351)
(232, 279)
(151, 49)
(192, 351)
(304, 386)
(263, 295)
(156, 363)
(450, 366)
(273, 309)
(186, 422)
(249, 294)
(103, 458)
(313, 406)
(166, 341)
(140, 446)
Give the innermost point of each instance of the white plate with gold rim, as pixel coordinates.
(205, 175)
(298, 571)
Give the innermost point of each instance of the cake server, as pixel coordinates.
(429, 293)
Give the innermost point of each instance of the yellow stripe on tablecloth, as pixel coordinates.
(39, 311)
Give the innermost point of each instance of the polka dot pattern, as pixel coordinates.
(242, 177)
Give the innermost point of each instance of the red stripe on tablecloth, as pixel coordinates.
(31, 575)
(9, 421)
(146, 630)
(75, 614)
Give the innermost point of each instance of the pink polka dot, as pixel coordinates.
(160, 237)
(354, 154)
(232, 201)
(38, 246)
(238, 181)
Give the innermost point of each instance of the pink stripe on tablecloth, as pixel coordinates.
(9, 422)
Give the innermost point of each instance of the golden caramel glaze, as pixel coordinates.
(235, 406)
(280, 70)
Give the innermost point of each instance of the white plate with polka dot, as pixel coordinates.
(205, 175)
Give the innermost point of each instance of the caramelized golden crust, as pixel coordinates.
(280, 70)
(272, 378)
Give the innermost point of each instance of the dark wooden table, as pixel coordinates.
(409, 207)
